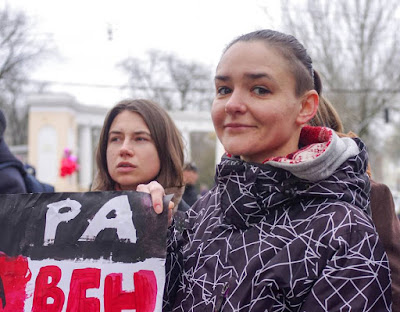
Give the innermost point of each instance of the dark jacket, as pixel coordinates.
(190, 194)
(11, 180)
(388, 227)
(289, 235)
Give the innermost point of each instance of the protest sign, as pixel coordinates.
(87, 252)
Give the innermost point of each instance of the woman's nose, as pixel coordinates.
(235, 103)
(126, 149)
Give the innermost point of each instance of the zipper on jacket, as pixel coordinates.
(222, 297)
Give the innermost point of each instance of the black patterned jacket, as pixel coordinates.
(264, 239)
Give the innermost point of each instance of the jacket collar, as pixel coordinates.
(329, 167)
(321, 154)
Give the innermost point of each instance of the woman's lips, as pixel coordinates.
(125, 167)
(237, 127)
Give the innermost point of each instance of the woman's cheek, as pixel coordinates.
(217, 114)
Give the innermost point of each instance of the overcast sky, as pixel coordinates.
(193, 29)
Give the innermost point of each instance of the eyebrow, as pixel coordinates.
(249, 76)
(139, 132)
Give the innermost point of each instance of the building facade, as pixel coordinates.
(59, 121)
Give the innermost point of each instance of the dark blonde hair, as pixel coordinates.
(166, 136)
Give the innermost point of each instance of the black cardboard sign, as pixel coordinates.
(95, 251)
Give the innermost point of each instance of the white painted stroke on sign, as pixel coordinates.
(54, 217)
(121, 221)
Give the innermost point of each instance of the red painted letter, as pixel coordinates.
(146, 290)
(14, 274)
(45, 289)
(81, 280)
(143, 299)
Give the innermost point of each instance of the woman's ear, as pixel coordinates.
(309, 107)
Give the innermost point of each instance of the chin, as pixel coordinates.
(128, 188)
(127, 185)
(235, 148)
(236, 145)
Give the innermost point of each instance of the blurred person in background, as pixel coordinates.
(203, 189)
(11, 178)
(190, 177)
(15, 177)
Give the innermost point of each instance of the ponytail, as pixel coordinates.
(317, 82)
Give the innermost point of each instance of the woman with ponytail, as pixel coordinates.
(286, 227)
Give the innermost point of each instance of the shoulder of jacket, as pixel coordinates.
(343, 218)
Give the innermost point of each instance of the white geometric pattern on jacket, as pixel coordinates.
(264, 239)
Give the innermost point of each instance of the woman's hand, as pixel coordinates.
(157, 193)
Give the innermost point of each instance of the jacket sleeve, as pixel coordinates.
(388, 227)
(355, 278)
(173, 266)
(11, 181)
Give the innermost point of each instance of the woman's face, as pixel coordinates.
(255, 109)
(132, 156)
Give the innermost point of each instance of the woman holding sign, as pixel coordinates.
(140, 144)
(285, 227)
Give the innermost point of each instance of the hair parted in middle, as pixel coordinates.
(166, 136)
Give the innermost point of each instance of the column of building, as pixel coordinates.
(85, 157)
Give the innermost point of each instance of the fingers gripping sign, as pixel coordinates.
(156, 191)
(157, 196)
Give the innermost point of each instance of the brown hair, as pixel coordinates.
(166, 136)
(293, 51)
(327, 116)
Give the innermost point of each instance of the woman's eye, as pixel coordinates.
(114, 139)
(141, 139)
(261, 90)
(223, 90)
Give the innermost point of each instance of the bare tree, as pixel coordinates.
(175, 83)
(16, 114)
(355, 45)
(147, 78)
(20, 51)
(192, 81)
